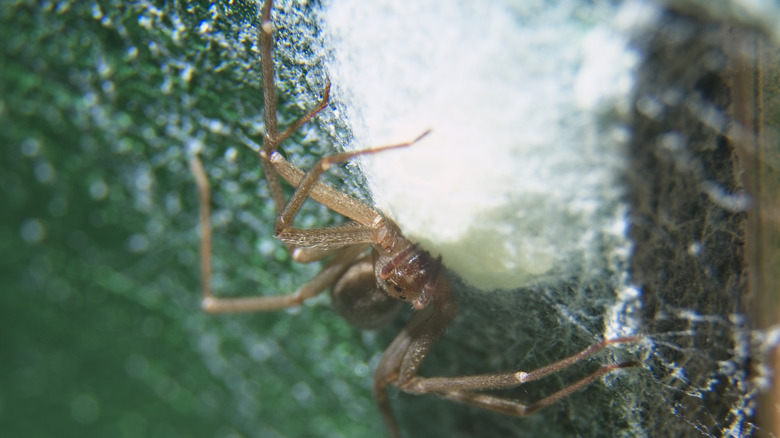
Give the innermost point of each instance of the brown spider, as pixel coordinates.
(366, 285)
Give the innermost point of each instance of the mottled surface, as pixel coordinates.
(100, 330)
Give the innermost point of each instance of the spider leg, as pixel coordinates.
(366, 220)
(303, 245)
(308, 255)
(504, 380)
(512, 407)
(275, 166)
(308, 185)
(211, 304)
(319, 283)
(270, 142)
(403, 357)
(300, 122)
(399, 365)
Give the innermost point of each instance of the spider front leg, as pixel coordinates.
(308, 186)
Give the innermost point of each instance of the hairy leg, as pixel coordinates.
(341, 261)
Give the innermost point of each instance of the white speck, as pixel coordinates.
(172, 203)
(131, 53)
(194, 146)
(622, 317)
(216, 126)
(214, 11)
(97, 14)
(145, 22)
(362, 369)
(204, 27)
(735, 202)
(167, 85)
(634, 15)
(230, 186)
(186, 73)
(98, 190)
(301, 392)
(30, 147)
(606, 71)
(650, 107)
(32, 231)
(143, 181)
(672, 141)
(230, 154)
(209, 343)
(260, 351)
(102, 67)
(267, 247)
(138, 243)
(44, 172)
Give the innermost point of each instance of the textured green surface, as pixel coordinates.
(100, 332)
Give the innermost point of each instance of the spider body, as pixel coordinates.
(372, 268)
(358, 298)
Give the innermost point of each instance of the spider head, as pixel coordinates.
(411, 275)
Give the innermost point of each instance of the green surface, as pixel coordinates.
(101, 334)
